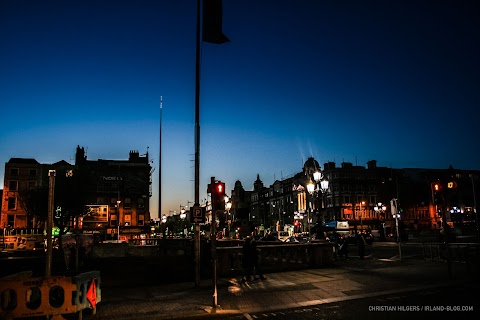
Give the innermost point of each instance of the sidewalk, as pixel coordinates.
(351, 279)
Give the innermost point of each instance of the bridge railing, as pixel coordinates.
(456, 252)
(279, 257)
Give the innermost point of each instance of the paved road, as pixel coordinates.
(347, 290)
(456, 302)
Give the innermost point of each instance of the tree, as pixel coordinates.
(34, 202)
(70, 200)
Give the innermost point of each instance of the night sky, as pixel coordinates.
(394, 81)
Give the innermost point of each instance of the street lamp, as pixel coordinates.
(319, 177)
(380, 208)
(361, 213)
(183, 215)
(228, 206)
(321, 185)
(311, 190)
(118, 220)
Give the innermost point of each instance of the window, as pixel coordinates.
(14, 172)
(32, 185)
(33, 172)
(127, 204)
(11, 220)
(141, 203)
(12, 203)
(128, 219)
(113, 219)
(141, 219)
(13, 185)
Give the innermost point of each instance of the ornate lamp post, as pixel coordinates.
(362, 204)
(380, 209)
(228, 206)
(183, 215)
(311, 190)
(321, 185)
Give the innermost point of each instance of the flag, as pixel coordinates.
(212, 22)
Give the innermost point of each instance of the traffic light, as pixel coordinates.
(217, 192)
(436, 186)
(436, 192)
(220, 188)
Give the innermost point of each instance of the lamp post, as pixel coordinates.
(321, 185)
(183, 215)
(361, 213)
(323, 182)
(118, 220)
(396, 215)
(380, 209)
(228, 206)
(311, 190)
(51, 195)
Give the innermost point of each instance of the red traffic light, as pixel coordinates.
(220, 188)
(436, 187)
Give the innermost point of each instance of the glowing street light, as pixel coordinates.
(380, 208)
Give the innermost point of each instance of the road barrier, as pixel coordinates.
(24, 296)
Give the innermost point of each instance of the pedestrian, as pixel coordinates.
(334, 238)
(247, 259)
(255, 254)
(361, 242)
(343, 247)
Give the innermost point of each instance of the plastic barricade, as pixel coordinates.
(23, 296)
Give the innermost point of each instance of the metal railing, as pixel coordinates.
(455, 252)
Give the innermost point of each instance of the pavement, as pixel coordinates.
(344, 280)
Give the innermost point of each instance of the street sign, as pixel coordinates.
(198, 215)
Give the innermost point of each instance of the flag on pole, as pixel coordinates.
(212, 22)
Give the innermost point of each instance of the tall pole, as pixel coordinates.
(213, 236)
(475, 208)
(160, 166)
(51, 191)
(197, 147)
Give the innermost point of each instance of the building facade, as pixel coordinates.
(116, 192)
(362, 196)
(20, 174)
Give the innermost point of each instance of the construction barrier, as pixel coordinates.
(22, 242)
(24, 296)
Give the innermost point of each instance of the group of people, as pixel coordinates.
(251, 254)
(251, 260)
(342, 243)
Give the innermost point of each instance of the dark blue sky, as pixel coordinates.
(395, 81)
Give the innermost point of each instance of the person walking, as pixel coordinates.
(247, 259)
(255, 254)
(343, 247)
(361, 242)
